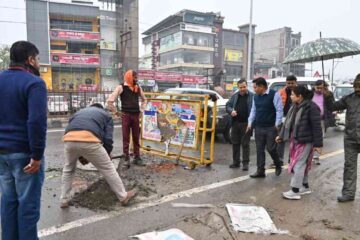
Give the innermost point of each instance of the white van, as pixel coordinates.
(279, 83)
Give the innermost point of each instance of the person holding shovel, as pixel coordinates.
(89, 138)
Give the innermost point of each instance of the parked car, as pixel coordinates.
(57, 104)
(340, 91)
(223, 123)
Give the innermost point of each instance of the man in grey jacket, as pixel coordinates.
(239, 106)
(89, 136)
(350, 103)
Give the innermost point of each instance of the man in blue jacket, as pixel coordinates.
(23, 124)
(239, 106)
(266, 116)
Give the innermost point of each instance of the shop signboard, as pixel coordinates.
(88, 87)
(171, 77)
(231, 55)
(194, 79)
(217, 60)
(197, 28)
(81, 59)
(168, 76)
(74, 35)
(199, 18)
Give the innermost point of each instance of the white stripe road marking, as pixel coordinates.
(62, 130)
(187, 193)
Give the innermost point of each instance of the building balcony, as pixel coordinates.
(74, 36)
(75, 60)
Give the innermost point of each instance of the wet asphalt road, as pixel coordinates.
(71, 223)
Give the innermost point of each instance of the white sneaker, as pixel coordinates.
(304, 191)
(291, 195)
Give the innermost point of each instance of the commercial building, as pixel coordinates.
(235, 54)
(271, 49)
(187, 42)
(195, 45)
(84, 44)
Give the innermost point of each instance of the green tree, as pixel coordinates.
(4, 57)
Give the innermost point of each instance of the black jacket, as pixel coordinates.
(308, 128)
(350, 103)
(95, 120)
(231, 103)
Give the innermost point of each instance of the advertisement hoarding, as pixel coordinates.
(233, 55)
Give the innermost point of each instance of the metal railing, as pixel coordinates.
(64, 103)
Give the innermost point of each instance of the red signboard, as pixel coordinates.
(194, 79)
(170, 77)
(146, 74)
(88, 87)
(72, 35)
(75, 59)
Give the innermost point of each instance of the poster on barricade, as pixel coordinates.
(167, 120)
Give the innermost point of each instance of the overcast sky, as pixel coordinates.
(334, 18)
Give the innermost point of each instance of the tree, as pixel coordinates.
(4, 58)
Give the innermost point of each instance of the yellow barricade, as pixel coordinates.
(175, 126)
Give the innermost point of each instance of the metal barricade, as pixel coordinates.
(181, 123)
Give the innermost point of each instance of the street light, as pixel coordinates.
(250, 42)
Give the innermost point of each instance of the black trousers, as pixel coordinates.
(352, 149)
(240, 138)
(265, 137)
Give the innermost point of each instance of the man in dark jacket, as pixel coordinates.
(351, 104)
(266, 116)
(89, 135)
(23, 125)
(239, 106)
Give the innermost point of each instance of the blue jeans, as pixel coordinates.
(20, 197)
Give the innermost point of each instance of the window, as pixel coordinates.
(58, 47)
(71, 25)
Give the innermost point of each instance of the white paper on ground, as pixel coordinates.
(171, 234)
(248, 218)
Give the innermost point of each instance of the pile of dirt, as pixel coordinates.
(99, 196)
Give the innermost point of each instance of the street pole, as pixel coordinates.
(332, 75)
(250, 43)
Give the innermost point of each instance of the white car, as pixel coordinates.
(340, 91)
(57, 104)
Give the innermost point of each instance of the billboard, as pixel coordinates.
(81, 59)
(73, 35)
(233, 55)
(105, 45)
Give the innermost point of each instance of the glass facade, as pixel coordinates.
(186, 56)
(198, 39)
